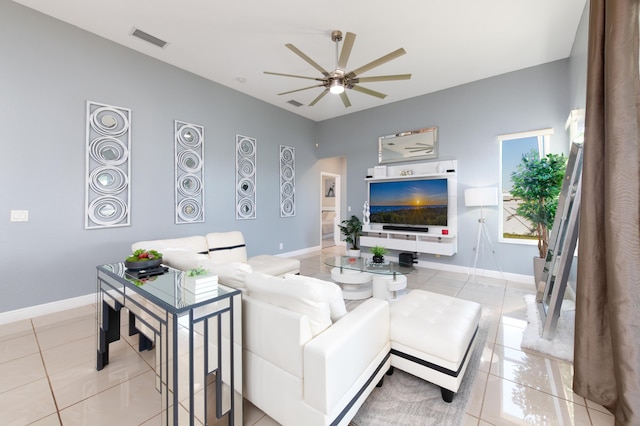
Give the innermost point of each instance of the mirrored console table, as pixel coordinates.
(197, 341)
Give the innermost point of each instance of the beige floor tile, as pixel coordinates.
(508, 403)
(598, 418)
(474, 405)
(63, 317)
(483, 294)
(251, 413)
(18, 347)
(72, 354)
(26, 403)
(487, 281)
(65, 332)
(543, 374)
(485, 358)
(132, 402)
(50, 420)
(442, 286)
(83, 381)
(21, 371)
(15, 329)
(509, 335)
(457, 276)
(470, 420)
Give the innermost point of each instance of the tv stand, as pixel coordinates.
(405, 228)
(411, 241)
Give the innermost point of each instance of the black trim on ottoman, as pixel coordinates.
(447, 394)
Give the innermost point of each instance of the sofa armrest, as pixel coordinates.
(338, 361)
(275, 334)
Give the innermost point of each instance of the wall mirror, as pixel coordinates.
(421, 144)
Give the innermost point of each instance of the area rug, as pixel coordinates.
(406, 400)
(561, 346)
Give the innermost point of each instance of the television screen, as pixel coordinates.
(417, 202)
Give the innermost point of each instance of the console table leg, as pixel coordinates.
(109, 332)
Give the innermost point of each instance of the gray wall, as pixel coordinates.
(49, 70)
(469, 118)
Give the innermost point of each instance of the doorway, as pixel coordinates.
(329, 209)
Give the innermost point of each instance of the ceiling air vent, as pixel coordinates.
(294, 103)
(148, 38)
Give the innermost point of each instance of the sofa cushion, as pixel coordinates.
(226, 247)
(329, 292)
(274, 265)
(306, 298)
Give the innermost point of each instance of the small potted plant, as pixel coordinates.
(378, 254)
(351, 229)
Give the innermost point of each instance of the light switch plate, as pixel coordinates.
(19, 215)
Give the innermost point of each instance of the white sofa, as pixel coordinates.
(223, 253)
(306, 360)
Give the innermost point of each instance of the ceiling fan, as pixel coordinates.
(339, 79)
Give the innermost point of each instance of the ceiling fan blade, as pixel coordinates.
(369, 92)
(291, 75)
(307, 59)
(345, 99)
(347, 45)
(299, 90)
(382, 78)
(315, 101)
(383, 60)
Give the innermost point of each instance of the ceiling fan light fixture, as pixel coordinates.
(336, 87)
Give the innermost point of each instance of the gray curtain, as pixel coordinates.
(607, 336)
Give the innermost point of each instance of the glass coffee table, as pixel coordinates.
(361, 278)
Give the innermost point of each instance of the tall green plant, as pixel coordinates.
(351, 229)
(538, 182)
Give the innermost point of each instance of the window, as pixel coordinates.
(514, 228)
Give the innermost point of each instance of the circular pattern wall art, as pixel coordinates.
(245, 177)
(189, 172)
(287, 181)
(107, 186)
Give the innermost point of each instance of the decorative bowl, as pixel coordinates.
(143, 264)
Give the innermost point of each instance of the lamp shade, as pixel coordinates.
(481, 196)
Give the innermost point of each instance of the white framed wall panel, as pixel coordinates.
(108, 166)
(189, 172)
(287, 181)
(246, 148)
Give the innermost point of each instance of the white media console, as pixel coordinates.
(438, 240)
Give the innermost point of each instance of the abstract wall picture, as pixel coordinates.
(189, 172)
(245, 177)
(108, 166)
(287, 181)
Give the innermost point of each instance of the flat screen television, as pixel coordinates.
(414, 202)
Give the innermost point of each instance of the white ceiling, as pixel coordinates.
(448, 42)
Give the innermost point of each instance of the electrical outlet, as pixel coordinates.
(19, 215)
(349, 208)
(281, 246)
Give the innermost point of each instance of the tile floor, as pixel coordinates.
(48, 375)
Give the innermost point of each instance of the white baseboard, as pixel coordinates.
(47, 308)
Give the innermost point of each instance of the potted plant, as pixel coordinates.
(537, 183)
(351, 229)
(378, 254)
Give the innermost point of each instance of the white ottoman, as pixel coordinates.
(433, 336)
